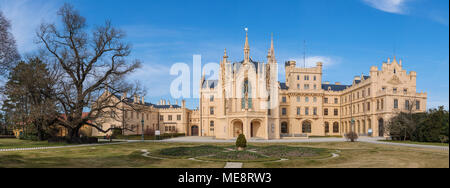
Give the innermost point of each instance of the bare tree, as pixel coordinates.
(8, 49)
(90, 63)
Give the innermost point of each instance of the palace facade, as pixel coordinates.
(248, 99)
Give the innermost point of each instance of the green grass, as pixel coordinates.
(11, 143)
(129, 155)
(420, 143)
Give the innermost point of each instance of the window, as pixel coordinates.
(394, 90)
(211, 123)
(147, 116)
(298, 86)
(298, 110)
(306, 86)
(315, 86)
(327, 127)
(405, 91)
(336, 100)
(368, 106)
(211, 98)
(126, 114)
(315, 78)
(336, 112)
(378, 104)
(335, 127)
(298, 77)
(178, 117)
(284, 128)
(298, 98)
(325, 100)
(211, 110)
(315, 111)
(368, 91)
(306, 111)
(382, 103)
(283, 111)
(325, 112)
(306, 99)
(306, 127)
(283, 99)
(407, 104)
(161, 118)
(417, 105)
(363, 93)
(169, 118)
(315, 99)
(306, 77)
(395, 103)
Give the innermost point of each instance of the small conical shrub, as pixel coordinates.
(241, 142)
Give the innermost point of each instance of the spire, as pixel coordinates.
(246, 47)
(225, 54)
(272, 50)
(271, 53)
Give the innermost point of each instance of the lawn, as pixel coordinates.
(129, 155)
(8, 143)
(420, 143)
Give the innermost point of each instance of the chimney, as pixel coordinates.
(357, 78)
(135, 99)
(326, 82)
(168, 102)
(183, 103)
(176, 102)
(337, 83)
(143, 101)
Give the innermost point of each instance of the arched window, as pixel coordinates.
(284, 128)
(327, 127)
(306, 127)
(246, 95)
(335, 127)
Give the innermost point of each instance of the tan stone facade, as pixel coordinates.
(129, 115)
(247, 99)
(306, 105)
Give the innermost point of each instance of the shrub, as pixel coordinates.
(116, 133)
(351, 136)
(241, 142)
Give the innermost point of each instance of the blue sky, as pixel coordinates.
(349, 36)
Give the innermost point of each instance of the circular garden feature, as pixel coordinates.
(251, 154)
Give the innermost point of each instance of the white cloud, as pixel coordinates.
(155, 79)
(391, 6)
(25, 17)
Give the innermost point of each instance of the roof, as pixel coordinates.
(255, 64)
(211, 84)
(283, 86)
(130, 100)
(334, 87)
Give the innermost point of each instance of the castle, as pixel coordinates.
(248, 99)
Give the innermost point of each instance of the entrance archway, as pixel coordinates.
(381, 127)
(238, 128)
(306, 127)
(255, 129)
(194, 130)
